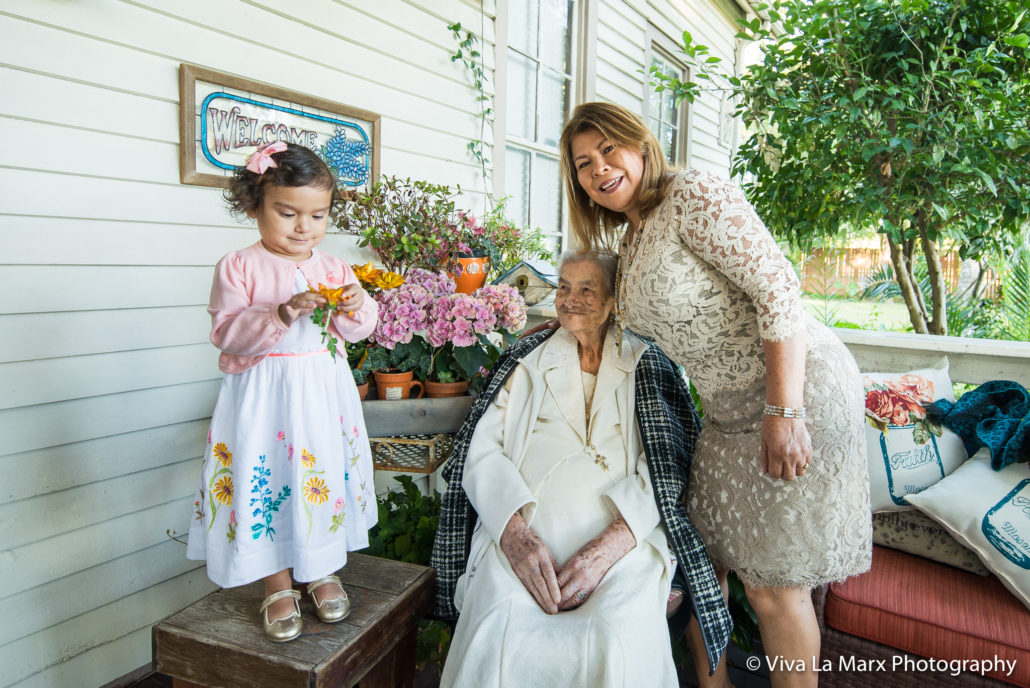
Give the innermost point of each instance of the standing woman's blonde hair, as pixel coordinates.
(594, 225)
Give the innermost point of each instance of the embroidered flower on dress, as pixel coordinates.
(307, 458)
(222, 490)
(316, 491)
(222, 453)
(338, 505)
(280, 436)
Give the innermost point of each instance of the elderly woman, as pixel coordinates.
(779, 488)
(564, 513)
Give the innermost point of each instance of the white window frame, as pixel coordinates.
(659, 44)
(581, 88)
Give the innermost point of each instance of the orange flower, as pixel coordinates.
(222, 491)
(366, 273)
(389, 280)
(307, 458)
(315, 491)
(332, 296)
(222, 453)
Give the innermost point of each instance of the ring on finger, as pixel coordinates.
(580, 595)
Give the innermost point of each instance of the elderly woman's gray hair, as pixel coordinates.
(606, 261)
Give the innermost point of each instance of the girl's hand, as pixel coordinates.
(532, 563)
(786, 447)
(353, 298)
(299, 304)
(584, 571)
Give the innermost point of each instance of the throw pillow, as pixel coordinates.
(906, 452)
(916, 533)
(989, 512)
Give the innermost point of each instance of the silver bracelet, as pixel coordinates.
(784, 411)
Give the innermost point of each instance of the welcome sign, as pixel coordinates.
(223, 118)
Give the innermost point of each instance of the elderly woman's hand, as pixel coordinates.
(532, 562)
(786, 447)
(584, 571)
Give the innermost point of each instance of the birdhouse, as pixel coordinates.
(535, 279)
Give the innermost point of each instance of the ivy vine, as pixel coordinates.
(471, 57)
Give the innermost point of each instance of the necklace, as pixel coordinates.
(590, 449)
(625, 258)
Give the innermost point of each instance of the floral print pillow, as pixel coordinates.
(906, 452)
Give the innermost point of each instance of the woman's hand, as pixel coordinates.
(353, 298)
(551, 324)
(786, 447)
(584, 571)
(532, 563)
(299, 304)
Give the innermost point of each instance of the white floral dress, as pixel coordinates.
(708, 283)
(287, 477)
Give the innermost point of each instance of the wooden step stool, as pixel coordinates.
(218, 641)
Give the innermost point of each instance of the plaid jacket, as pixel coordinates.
(668, 426)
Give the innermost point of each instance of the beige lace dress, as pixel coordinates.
(708, 283)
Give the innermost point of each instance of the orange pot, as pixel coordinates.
(473, 274)
(397, 385)
(363, 391)
(439, 390)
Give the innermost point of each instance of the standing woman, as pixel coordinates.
(779, 489)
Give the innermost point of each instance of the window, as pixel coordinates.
(666, 121)
(539, 86)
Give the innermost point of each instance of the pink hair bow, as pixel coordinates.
(261, 159)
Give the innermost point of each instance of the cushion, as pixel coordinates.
(916, 533)
(907, 453)
(931, 610)
(989, 512)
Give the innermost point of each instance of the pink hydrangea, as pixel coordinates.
(458, 319)
(436, 283)
(506, 303)
(402, 314)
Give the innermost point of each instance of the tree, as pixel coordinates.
(909, 116)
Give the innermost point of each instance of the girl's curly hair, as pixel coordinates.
(295, 166)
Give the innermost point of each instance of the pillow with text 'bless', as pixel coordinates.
(989, 512)
(906, 452)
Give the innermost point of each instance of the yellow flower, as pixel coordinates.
(315, 491)
(222, 491)
(223, 454)
(307, 458)
(366, 274)
(332, 296)
(389, 280)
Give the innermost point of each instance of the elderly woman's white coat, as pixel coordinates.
(527, 454)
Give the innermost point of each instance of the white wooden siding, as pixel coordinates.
(622, 61)
(107, 378)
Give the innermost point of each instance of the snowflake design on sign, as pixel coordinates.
(347, 157)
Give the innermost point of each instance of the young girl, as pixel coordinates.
(287, 478)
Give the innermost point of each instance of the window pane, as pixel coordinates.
(522, 25)
(655, 125)
(554, 93)
(521, 96)
(669, 107)
(546, 195)
(516, 184)
(669, 142)
(554, 33)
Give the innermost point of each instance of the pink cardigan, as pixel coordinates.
(248, 287)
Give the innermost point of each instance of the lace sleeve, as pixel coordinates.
(718, 224)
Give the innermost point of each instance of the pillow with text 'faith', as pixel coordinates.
(989, 512)
(906, 452)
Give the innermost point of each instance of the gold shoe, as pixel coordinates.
(330, 611)
(281, 630)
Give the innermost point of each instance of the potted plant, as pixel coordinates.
(409, 224)
(497, 244)
(372, 281)
(441, 335)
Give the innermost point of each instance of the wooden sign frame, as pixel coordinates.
(201, 166)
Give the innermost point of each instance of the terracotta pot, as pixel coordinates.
(363, 391)
(439, 390)
(473, 274)
(397, 385)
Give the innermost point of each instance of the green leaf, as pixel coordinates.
(1020, 40)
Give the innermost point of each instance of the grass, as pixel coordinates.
(868, 315)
